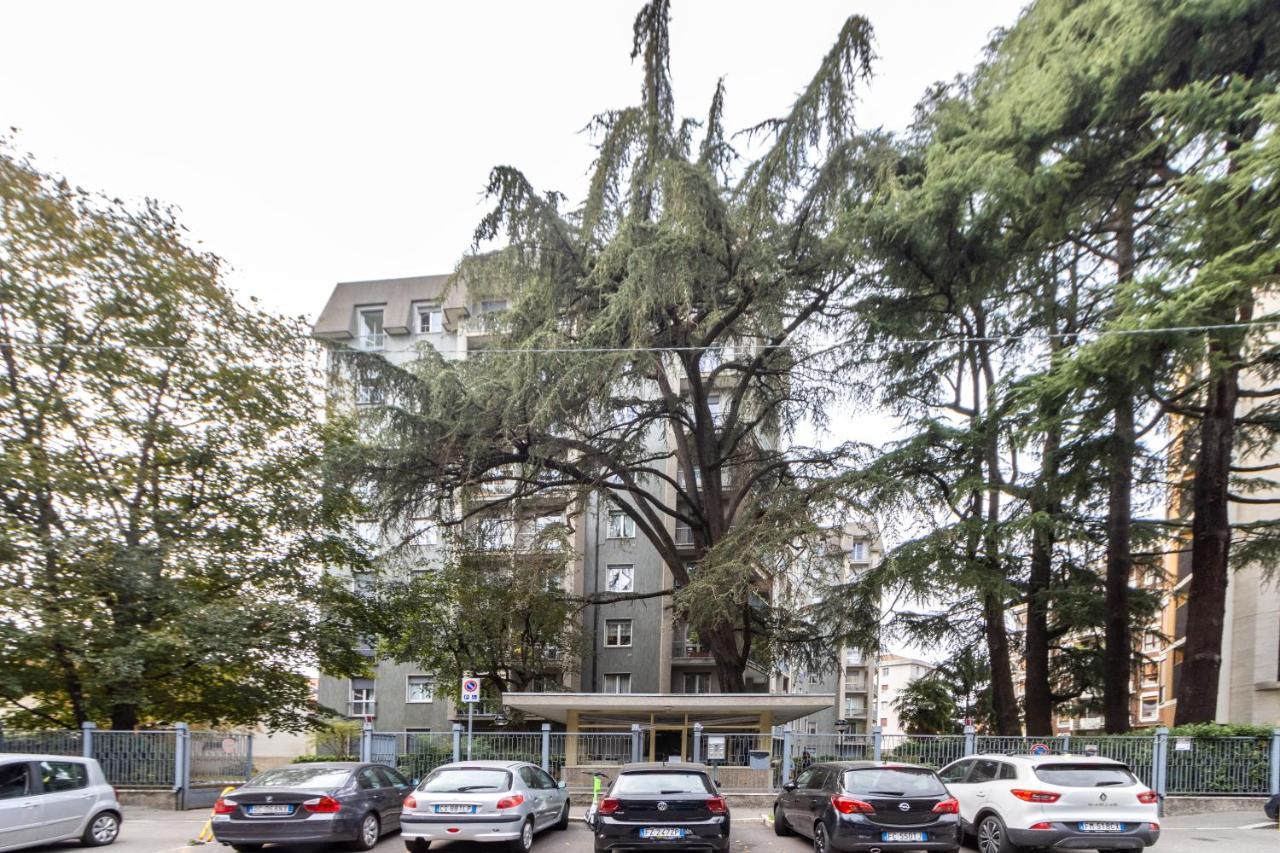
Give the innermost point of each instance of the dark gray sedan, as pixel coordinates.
(339, 801)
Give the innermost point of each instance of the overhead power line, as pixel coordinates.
(959, 339)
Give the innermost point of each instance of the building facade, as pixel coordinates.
(894, 673)
(636, 648)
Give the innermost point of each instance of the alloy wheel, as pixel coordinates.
(990, 838)
(369, 830)
(526, 835)
(819, 839)
(105, 828)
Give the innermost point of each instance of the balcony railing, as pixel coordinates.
(684, 537)
(685, 649)
(375, 341)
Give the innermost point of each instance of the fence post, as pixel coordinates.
(637, 742)
(248, 756)
(86, 739)
(970, 740)
(546, 747)
(1160, 765)
(181, 765)
(788, 746)
(697, 743)
(1275, 760)
(1066, 743)
(877, 742)
(366, 742)
(457, 742)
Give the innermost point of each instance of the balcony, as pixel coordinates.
(684, 536)
(689, 652)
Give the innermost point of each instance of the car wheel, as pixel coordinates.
(993, 837)
(780, 825)
(563, 822)
(369, 833)
(820, 838)
(524, 843)
(246, 848)
(417, 845)
(103, 829)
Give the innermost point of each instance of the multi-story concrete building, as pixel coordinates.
(642, 664)
(894, 674)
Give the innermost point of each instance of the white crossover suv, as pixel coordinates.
(1066, 802)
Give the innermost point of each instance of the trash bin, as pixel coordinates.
(758, 759)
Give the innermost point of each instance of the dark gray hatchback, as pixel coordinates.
(312, 804)
(869, 806)
(662, 807)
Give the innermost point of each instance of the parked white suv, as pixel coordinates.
(1052, 801)
(48, 798)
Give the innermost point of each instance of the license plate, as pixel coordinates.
(662, 832)
(455, 808)
(269, 809)
(903, 836)
(1096, 826)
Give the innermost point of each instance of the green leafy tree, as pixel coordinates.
(161, 502)
(663, 346)
(927, 706)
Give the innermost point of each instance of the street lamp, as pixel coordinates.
(842, 726)
(499, 719)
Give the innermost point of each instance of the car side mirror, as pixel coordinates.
(562, 785)
(789, 787)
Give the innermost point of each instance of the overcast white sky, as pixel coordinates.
(309, 143)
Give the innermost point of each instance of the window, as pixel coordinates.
(1085, 775)
(621, 525)
(650, 784)
(858, 552)
(368, 780)
(884, 688)
(884, 721)
(430, 319)
(492, 306)
(621, 578)
(684, 533)
(63, 776)
(362, 702)
(616, 682)
(369, 393)
(617, 632)
(14, 781)
(369, 329)
(956, 772)
(985, 771)
(884, 672)
(420, 688)
(697, 682)
(1149, 709)
(1150, 674)
(391, 777)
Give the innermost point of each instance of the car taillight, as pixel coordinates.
(1156, 827)
(1148, 797)
(608, 805)
(222, 806)
(717, 805)
(1041, 825)
(1036, 796)
(322, 805)
(410, 802)
(948, 806)
(848, 805)
(511, 802)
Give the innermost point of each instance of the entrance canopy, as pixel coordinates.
(746, 711)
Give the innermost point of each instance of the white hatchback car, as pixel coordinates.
(1065, 802)
(48, 798)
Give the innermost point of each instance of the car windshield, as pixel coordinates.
(1085, 775)
(302, 777)
(462, 779)
(894, 782)
(631, 784)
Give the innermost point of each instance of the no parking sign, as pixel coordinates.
(470, 689)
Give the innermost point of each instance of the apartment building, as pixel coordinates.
(642, 664)
(894, 673)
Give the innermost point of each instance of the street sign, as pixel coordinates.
(1039, 749)
(715, 747)
(1182, 744)
(470, 690)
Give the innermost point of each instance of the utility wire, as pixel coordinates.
(991, 339)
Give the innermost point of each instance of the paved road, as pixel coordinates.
(147, 831)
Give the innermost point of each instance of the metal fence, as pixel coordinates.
(177, 759)
(1171, 766)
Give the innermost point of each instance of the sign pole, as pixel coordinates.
(470, 695)
(471, 711)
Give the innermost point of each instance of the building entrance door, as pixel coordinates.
(667, 742)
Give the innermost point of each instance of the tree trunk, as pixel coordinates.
(1118, 663)
(1210, 540)
(1038, 693)
(722, 641)
(124, 717)
(1004, 701)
